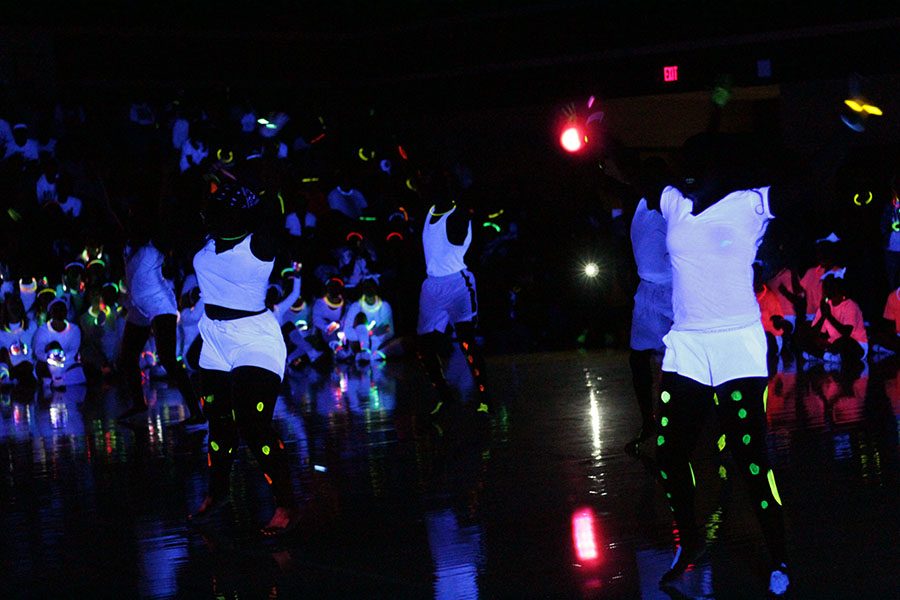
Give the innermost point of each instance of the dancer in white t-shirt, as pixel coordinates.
(716, 349)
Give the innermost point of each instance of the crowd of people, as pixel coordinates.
(85, 219)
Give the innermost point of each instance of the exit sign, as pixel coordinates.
(670, 73)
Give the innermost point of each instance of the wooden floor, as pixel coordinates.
(396, 506)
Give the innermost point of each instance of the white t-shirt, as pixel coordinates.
(350, 202)
(148, 290)
(71, 207)
(45, 190)
(29, 149)
(712, 256)
(648, 241)
(69, 339)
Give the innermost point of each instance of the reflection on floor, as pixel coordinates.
(544, 505)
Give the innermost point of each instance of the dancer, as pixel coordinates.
(652, 316)
(243, 355)
(448, 297)
(716, 350)
(151, 307)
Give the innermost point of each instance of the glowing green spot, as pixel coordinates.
(723, 473)
(210, 398)
(773, 487)
(764, 504)
(742, 413)
(665, 397)
(693, 479)
(660, 440)
(765, 399)
(736, 395)
(721, 442)
(754, 469)
(664, 421)
(716, 398)
(260, 406)
(746, 439)
(233, 416)
(266, 450)
(214, 446)
(663, 475)
(668, 495)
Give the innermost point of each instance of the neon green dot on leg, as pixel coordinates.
(764, 504)
(664, 421)
(668, 495)
(736, 395)
(660, 440)
(214, 446)
(266, 450)
(260, 406)
(742, 413)
(663, 475)
(665, 397)
(746, 439)
(754, 469)
(721, 442)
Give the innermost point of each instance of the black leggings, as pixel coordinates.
(641, 362)
(741, 411)
(240, 404)
(133, 341)
(428, 353)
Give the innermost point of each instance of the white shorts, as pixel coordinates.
(246, 342)
(714, 357)
(447, 300)
(652, 316)
(142, 311)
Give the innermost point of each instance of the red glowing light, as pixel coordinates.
(584, 534)
(402, 153)
(670, 74)
(394, 235)
(572, 140)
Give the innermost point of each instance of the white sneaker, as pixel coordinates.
(779, 581)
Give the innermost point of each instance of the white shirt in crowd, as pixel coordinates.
(350, 202)
(69, 339)
(192, 154)
(45, 190)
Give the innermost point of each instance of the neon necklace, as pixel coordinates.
(331, 305)
(231, 239)
(374, 306)
(299, 308)
(438, 214)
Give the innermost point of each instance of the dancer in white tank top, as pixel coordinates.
(448, 298)
(243, 354)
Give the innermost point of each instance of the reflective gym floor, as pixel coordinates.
(394, 506)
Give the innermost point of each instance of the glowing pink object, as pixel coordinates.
(670, 74)
(571, 139)
(584, 534)
(590, 102)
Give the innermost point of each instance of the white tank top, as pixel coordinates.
(234, 278)
(441, 257)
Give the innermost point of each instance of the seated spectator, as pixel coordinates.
(56, 346)
(369, 324)
(773, 321)
(827, 261)
(886, 335)
(838, 332)
(325, 332)
(16, 340)
(22, 143)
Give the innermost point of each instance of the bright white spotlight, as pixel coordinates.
(591, 270)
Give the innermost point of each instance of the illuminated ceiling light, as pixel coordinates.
(591, 270)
